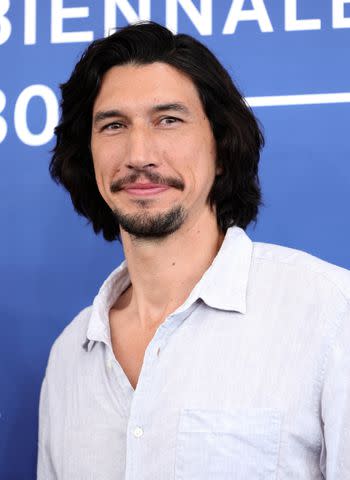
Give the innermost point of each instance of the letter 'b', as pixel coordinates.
(5, 25)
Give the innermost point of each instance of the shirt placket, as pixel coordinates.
(141, 411)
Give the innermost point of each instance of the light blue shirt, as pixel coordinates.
(248, 379)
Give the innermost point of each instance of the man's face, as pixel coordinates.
(153, 149)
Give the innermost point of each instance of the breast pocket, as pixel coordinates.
(236, 445)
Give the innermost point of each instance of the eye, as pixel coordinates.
(169, 120)
(112, 126)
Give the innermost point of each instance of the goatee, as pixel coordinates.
(147, 226)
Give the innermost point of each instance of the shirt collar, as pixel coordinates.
(223, 285)
(111, 289)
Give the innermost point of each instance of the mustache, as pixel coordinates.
(153, 177)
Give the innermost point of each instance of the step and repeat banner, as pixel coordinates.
(290, 58)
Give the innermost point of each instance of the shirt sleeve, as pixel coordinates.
(44, 468)
(335, 458)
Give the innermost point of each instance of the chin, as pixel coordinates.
(151, 225)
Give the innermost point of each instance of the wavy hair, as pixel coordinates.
(235, 192)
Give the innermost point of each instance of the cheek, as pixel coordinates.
(106, 165)
(199, 178)
(196, 162)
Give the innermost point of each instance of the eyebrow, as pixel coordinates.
(163, 107)
(177, 107)
(104, 115)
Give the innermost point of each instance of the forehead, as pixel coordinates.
(142, 85)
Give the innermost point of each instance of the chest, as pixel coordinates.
(212, 405)
(129, 345)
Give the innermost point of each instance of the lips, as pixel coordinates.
(146, 183)
(144, 189)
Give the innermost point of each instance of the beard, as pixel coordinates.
(143, 225)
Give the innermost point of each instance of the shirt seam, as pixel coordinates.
(310, 269)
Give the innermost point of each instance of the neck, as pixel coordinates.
(164, 271)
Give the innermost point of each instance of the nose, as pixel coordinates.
(141, 151)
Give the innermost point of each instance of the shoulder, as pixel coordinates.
(309, 269)
(72, 338)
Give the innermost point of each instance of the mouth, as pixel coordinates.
(146, 183)
(145, 189)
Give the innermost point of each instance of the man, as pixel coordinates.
(203, 356)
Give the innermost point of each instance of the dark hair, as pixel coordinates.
(235, 192)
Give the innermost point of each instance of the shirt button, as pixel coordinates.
(138, 432)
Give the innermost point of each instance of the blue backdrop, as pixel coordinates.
(291, 58)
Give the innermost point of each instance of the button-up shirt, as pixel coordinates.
(248, 379)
